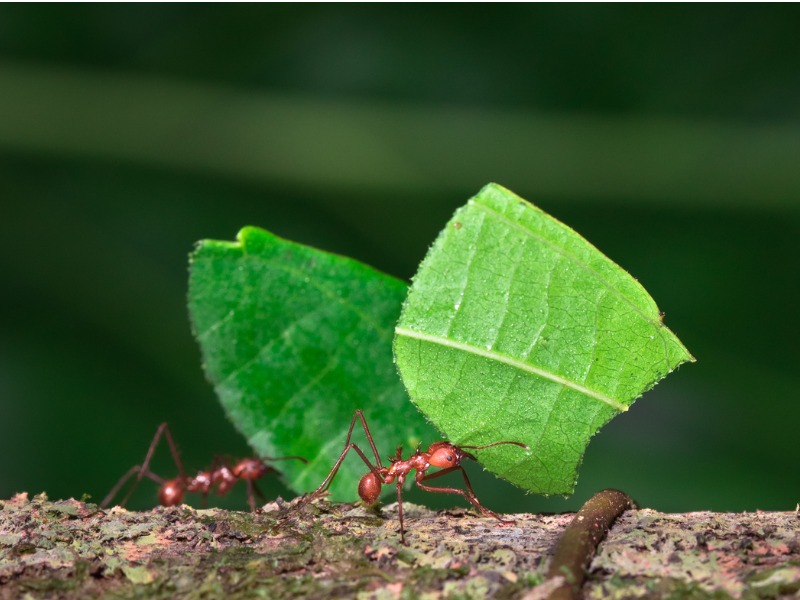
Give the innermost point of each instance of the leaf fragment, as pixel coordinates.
(295, 340)
(517, 328)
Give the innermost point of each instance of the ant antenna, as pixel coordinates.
(520, 444)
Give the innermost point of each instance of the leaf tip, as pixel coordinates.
(494, 188)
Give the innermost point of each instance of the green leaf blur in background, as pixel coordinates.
(668, 136)
(295, 340)
(516, 328)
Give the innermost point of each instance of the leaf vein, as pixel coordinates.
(573, 258)
(512, 362)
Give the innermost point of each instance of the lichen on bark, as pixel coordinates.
(71, 549)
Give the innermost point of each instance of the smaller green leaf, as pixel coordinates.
(517, 328)
(295, 340)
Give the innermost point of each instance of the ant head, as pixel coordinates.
(250, 468)
(445, 454)
(171, 493)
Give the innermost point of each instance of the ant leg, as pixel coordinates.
(124, 479)
(176, 458)
(400, 510)
(329, 479)
(251, 500)
(253, 491)
(367, 432)
(273, 458)
(215, 478)
(258, 491)
(348, 445)
(163, 429)
(468, 495)
(144, 469)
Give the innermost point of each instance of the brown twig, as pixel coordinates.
(578, 543)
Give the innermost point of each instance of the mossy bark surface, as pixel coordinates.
(69, 549)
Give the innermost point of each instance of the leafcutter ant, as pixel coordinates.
(220, 478)
(444, 455)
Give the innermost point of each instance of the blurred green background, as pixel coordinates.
(668, 136)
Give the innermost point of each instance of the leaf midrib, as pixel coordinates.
(512, 362)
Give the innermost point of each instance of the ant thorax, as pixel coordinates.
(224, 479)
(200, 483)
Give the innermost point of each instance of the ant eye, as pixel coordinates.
(450, 458)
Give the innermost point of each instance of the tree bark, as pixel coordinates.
(71, 549)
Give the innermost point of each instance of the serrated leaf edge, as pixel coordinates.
(571, 257)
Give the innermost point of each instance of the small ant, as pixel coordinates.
(445, 455)
(220, 478)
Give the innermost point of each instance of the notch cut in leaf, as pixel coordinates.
(517, 328)
(295, 340)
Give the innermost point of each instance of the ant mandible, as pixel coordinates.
(220, 478)
(445, 455)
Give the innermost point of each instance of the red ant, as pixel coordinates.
(219, 478)
(439, 454)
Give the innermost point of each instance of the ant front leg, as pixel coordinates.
(468, 495)
(251, 469)
(252, 490)
(400, 481)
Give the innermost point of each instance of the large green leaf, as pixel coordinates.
(516, 328)
(294, 340)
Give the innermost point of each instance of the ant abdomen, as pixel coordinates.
(369, 488)
(171, 493)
